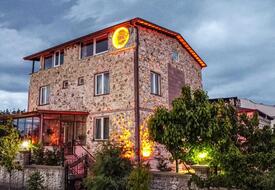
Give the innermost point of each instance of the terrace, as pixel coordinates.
(51, 128)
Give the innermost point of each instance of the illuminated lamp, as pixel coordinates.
(146, 152)
(26, 144)
(202, 155)
(120, 37)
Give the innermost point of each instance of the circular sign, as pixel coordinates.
(120, 37)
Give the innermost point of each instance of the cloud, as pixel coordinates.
(13, 100)
(235, 38)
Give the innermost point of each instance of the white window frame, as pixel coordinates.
(153, 86)
(102, 127)
(102, 83)
(43, 99)
(54, 62)
(59, 58)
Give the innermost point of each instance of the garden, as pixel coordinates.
(196, 132)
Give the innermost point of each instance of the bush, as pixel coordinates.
(110, 170)
(53, 158)
(40, 156)
(35, 182)
(37, 154)
(139, 179)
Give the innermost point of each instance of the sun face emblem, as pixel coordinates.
(120, 37)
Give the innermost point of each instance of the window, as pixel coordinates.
(58, 58)
(102, 84)
(48, 62)
(87, 50)
(97, 46)
(65, 84)
(175, 55)
(101, 45)
(80, 81)
(155, 83)
(44, 95)
(61, 58)
(102, 128)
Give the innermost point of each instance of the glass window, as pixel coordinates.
(102, 83)
(80, 132)
(48, 62)
(102, 128)
(51, 132)
(21, 126)
(155, 83)
(87, 50)
(61, 58)
(44, 95)
(35, 130)
(102, 45)
(28, 126)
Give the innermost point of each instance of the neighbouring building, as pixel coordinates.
(88, 88)
(266, 113)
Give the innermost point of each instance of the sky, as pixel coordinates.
(235, 38)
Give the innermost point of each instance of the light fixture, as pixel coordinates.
(120, 37)
(26, 144)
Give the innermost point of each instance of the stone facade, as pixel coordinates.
(54, 177)
(173, 181)
(155, 54)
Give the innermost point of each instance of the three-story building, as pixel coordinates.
(87, 88)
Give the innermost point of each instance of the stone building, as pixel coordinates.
(86, 89)
(266, 113)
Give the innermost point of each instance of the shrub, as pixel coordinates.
(35, 182)
(37, 154)
(110, 170)
(40, 156)
(53, 158)
(139, 179)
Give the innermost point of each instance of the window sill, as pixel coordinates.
(44, 104)
(156, 94)
(100, 140)
(96, 95)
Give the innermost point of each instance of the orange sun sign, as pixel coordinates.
(120, 37)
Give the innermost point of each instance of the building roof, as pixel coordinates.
(262, 114)
(131, 22)
(40, 112)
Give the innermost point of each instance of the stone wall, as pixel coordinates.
(155, 54)
(54, 177)
(173, 181)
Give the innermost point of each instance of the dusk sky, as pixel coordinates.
(235, 38)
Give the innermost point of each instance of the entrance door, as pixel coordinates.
(68, 128)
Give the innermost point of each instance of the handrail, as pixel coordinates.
(90, 155)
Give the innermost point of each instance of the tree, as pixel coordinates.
(249, 163)
(9, 147)
(35, 182)
(184, 125)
